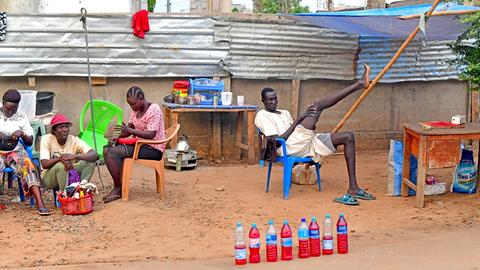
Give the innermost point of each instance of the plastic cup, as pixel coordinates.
(240, 100)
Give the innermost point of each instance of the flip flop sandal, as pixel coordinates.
(362, 194)
(347, 199)
(43, 211)
(366, 76)
(111, 198)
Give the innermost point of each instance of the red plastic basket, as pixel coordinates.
(81, 206)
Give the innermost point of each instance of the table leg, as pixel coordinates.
(173, 122)
(166, 118)
(217, 137)
(239, 136)
(422, 168)
(251, 137)
(407, 150)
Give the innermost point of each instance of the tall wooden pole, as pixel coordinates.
(384, 70)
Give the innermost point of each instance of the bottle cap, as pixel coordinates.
(327, 215)
(304, 220)
(341, 214)
(285, 221)
(254, 225)
(314, 218)
(239, 224)
(270, 222)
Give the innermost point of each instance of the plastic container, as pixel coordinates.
(286, 243)
(342, 235)
(240, 246)
(28, 103)
(327, 238)
(271, 243)
(44, 102)
(254, 237)
(207, 89)
(80, 206)
(314, 238)
(303, 251)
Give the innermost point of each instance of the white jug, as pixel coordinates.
(227, 98)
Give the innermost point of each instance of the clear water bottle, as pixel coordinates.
(314, 238)
(271, 243)
(254, 237)
(342, 235)
(303, 251)
(327, 238)
(240, 246)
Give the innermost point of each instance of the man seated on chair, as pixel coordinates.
(301, 139)
(61, 152)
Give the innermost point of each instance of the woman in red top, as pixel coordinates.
(145, 122)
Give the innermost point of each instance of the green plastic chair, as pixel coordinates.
(104, 112)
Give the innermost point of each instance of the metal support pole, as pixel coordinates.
(83, 19)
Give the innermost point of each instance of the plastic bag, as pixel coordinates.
(395, 161)
(73, 177)
(465, 177)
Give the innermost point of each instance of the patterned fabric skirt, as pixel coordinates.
(22, 167)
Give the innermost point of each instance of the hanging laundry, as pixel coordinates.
(140, 23)
(3, 25)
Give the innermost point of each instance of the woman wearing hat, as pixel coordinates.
(14, 126)
(61, 152)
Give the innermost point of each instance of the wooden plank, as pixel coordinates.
(443, 154)
(470, 128)
(239, 135)
(407, 149)
(99, 80)
(241, 146)
(251, 137)
(174, 121)
(217, 137)
(421, 171)
(295, 95)
(410, 184)
(474, 106)
(218, 109)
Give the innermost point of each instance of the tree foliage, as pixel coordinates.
(280, 6)
(467, 50)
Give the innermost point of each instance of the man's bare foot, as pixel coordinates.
(115, 194)
(366, 76)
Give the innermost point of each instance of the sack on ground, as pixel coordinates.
(465, 177)
(304, 174)
(395, 161)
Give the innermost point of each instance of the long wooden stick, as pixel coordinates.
(439, 13)
(384, 70)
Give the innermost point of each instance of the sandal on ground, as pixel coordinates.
(43, 211)
(366, 75)
(111, 197)
(362, 194)
(347, 199)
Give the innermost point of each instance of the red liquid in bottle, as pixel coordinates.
(314, 238)
(271, 243)
(286, 242)
(327, 238)
(342, 235)
(254, 236)
(303, 251)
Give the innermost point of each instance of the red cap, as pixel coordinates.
(60, 119)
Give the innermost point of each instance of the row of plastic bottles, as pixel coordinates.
(309, 242)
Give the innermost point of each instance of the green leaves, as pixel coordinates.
(280, 6)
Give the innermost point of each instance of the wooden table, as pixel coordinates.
(171, 118)
(417, 142)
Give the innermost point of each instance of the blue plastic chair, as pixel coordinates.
(8, 172)
(288, 163)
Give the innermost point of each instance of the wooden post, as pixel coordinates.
(384, 70)
(251, 136)
(239, 135)
(217, 137)
(294, 98)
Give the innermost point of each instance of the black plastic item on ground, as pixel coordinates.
(44, 102)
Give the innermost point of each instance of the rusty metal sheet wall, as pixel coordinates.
(54, 45)
(286, 50)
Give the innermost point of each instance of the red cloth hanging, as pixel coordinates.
(140, 23)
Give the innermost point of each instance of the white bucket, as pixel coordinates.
(28, 103)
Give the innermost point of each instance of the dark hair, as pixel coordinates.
(136, 92)
(266, 90)
(12, 95)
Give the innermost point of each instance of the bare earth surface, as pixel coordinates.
(193, 225)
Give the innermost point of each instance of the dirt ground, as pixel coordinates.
(196, 219)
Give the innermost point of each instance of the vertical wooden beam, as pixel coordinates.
(227, 82)
(422, 167)
(295, 95)
(251, 136)
(407, 150)
(239, 135)
(174, 121)
(474, 106)
(217, 137)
